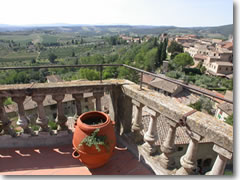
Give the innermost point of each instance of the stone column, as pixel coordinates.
(42, 120)
(4, 121)
(23, 120)
(221, 161)
(168, 147)
(61, 119)
(120, 110)
(98, 96)
(78, 98)
(150, 135)
(137, 121)
(188, 161)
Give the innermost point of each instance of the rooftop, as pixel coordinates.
(200, 56)
(226, 107)
(221, 63)
(54, 78)
(229, 95)
(165, 85)
(228, 45)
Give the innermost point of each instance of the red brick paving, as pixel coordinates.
(59, 161)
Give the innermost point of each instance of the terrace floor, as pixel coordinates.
(59, 161)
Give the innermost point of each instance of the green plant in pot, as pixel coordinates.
(94, 139)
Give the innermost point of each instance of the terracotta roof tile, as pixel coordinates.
(147, 78)
(162, 130)
(200, 56)
(226, 107)
(165, 85)
(54, 78)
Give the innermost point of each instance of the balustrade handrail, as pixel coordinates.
(199, 124)
(187, 86)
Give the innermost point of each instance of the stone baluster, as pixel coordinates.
(98, 96)
(150, 135)
(168, 147)
(61, 119)
(137, 121)
(221, 160)
(23, 120)
(4, 121)
(42, 120)
(78, 99)
(189, 160)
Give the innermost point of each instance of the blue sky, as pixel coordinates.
(183, 13)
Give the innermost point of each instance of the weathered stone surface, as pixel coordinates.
(120, 110)
(218, 132)
(150, 111)
(156, 101)
(136, 103)
(193, 135)
(222, 151)
(68, 87)
(124, 92)
(202, 124)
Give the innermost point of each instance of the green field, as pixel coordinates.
(49, 38)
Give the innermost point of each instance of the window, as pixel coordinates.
(207, 162)
(54, 115)
(179, 148)
(199, 162)
(53, 106)
(226, 69)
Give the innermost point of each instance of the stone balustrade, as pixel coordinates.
(126, 109)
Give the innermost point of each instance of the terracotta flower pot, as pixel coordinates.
(91, 156)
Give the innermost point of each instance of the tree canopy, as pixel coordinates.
(229, 120)
(182, 60)
(52, 57)
(175, 47)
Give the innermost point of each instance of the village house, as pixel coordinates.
(162, 86)
(220, 68)
(182, 40)
(225, 45)
(199, 58)
(130, 39)
(224, 110)
(165, 87)
(215, 55)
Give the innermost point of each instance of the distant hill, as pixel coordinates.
(213, 32)
(225, 30)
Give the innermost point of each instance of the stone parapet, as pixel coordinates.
(125, 108)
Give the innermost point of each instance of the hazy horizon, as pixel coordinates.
(179, 13)
(67, 24)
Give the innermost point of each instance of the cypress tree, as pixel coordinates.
(159, 61)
